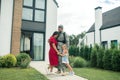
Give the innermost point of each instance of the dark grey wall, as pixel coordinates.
(33, 26)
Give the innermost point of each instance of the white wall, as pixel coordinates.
(51, 24)
(111, 34)
(90, 38)
(5, 26)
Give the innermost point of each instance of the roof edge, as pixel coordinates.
(110, 27)
(56, 3)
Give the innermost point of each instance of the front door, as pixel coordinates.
(38, 46)
(32, 44)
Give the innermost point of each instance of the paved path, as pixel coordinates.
(41, 66)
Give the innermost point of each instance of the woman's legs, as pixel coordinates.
(51, 68)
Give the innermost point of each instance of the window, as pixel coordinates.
(114, 44)
(34, 10)
(40, 4)
(28, 3)
(27, 14)
(105, 44)
(39, 15)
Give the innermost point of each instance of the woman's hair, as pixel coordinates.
(55, 33)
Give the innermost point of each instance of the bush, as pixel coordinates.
(9, 60)
(86, 53)
(74, 51)
(71, 60)
(116, 60)
(1, 61)
(23, 60)
(79, 62)
(107, 59)
(81, 51)
(93, 58)
(100, 54)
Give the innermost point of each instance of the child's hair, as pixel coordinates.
(64, 45)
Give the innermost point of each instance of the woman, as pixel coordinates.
(53, 52)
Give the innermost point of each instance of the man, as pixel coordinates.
(62, 39)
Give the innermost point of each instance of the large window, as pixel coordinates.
(34, 10)
(40, 4)
(27, 14)
(39, 15)
(114, 44)
(28, 3)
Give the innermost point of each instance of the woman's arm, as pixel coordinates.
(54, 46)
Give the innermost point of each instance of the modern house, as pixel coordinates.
(26, 25)
(106, 29)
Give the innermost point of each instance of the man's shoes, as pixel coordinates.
(58, 72)
(64, 74)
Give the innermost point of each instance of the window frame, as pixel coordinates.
(33, 17)
(113, 42)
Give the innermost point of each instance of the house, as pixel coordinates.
(26, 25)
(106, 29)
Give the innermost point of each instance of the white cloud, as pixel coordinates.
(78, 15)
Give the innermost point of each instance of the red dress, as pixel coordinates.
(53, 57)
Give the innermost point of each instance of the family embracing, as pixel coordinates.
(58, 53)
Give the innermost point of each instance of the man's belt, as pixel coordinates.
(62, 41)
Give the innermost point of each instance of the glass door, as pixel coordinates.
(38, 46)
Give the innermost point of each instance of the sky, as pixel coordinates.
(78, 15)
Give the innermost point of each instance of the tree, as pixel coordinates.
(74, 39)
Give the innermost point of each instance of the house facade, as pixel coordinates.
(26, 25)
(106, 29)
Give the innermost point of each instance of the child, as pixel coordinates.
(65, 59)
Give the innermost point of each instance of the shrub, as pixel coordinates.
(9, 60)
(100, 54)
(23, 60)
(1, 61)
(86, 53)
(116, 60)
(74, 51)
(71, 60)
(79, 62)
(107, 59)
(93, 58)
(81, 51)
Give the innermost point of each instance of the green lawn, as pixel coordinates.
(97, 74)
(20, 74)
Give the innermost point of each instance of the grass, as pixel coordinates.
(20, 74)
(97, 74)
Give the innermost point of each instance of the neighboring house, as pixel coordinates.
(106, 29)
(26, 25)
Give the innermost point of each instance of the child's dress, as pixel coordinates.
(65, 58)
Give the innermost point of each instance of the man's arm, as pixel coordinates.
(67, 40)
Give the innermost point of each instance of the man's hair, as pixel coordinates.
(60, 26)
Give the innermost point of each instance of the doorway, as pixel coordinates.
(32, 44)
